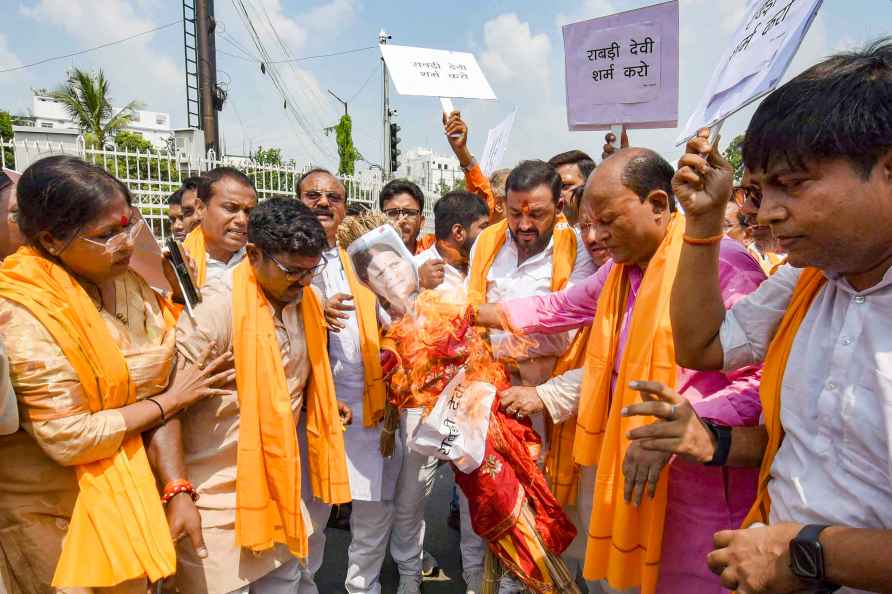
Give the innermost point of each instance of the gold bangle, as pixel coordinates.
(703, 240)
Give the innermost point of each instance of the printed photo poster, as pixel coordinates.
(623, 69)
(383, 263)
(755, 61)
(435, 73)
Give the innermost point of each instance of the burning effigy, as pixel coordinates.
(434, 358)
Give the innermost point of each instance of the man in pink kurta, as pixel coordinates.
(702, 499)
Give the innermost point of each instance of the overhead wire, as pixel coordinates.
(90, 49)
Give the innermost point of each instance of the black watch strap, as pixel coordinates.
(722, 434)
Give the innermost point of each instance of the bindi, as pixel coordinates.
(124, 220)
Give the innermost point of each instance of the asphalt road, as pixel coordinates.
(439, 540)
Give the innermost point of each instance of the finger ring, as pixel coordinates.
(672, 413)
(519, 414)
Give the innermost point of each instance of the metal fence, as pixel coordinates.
(153, 175)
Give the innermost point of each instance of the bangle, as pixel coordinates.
(473, 314)
(722, 434)
(714, 239)
(175, 487)
(160, 408)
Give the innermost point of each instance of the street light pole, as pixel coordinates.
(383, 36)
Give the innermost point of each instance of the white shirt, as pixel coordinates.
(834, 465)
(372, 478)
(453, 286)
(509, 280)
(215, 268)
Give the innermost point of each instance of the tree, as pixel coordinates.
(87, 100)
(734, 155)
(270, 156)
(131, 141)
(6, 134)
(347, 153)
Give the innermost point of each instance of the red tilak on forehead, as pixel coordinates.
(525, 208)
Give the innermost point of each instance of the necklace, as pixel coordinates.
(98, 302)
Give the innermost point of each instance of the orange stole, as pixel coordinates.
(624, 542)
(194, 244)
(811, 281)
(491, 240)
(374, 397)
(118, 520)
(560, 468)
(268, 500)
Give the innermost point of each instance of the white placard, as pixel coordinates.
(760, 52)
(435, 73)
(496, 145)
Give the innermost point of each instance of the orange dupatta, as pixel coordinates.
(118, 530)
(194, 244)
(268, 500)
(374, 397)
(624, 542)
(491, 240)
(811, 280)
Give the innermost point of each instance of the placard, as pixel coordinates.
(755, 61)
(435, 73)
(623, 69)
(496, 145)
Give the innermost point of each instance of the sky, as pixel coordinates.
(517, 43)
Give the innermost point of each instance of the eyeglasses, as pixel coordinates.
(117, 241)
(742, 194)
(398, 213)
(315, 196)
(298, 273)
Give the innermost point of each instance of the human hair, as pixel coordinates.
(62, 194)
(285, 225)
(357, 208)
(206, 182)
(314, 171)
(571, 206)
(457, 208)
(191, 183)
(175, 199)
(532, 174)
(363, 258)
(497, 182)
(574, 157)
(586, 166)
(401, 186)
(839, 108)
(647, 171)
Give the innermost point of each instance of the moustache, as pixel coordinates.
(322, 212)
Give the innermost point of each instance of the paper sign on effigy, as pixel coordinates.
(496, 145)
(435, 73)
(755, 61)
(623, 69)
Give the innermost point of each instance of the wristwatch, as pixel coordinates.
(807, 559)
(470, 165)
(722, 434)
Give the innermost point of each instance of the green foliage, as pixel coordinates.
(6, 134)
(734, 155)
(270, 156)
(347, 153)
(131, 141)
(86, 98)
(460, 184)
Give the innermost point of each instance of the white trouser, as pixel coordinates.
(402, 520)
(282, 580)
(319, 513)
(473, 547)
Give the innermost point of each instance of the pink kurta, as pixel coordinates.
(702, 500)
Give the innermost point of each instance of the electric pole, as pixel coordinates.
(210, 98)
(388, 170)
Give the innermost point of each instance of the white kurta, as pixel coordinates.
(372, 477)
(453, 286)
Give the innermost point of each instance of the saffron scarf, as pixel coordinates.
(194, 244)
(118, 521)
(374, 397)
(268, 499)
(491, 240)
(811, 280)
(624, 542)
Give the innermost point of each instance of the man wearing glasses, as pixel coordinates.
(266, 314)
(763, 245)
(403, 203)
(352, 314)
